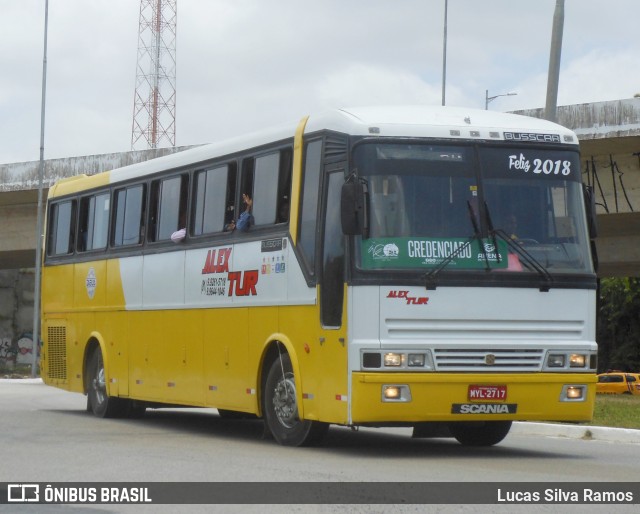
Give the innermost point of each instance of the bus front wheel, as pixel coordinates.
(280, 408)
(98, 401)
(484, 433)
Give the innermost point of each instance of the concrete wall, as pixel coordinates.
(597, 120)
(16, 318)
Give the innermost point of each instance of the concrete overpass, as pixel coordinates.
(19, 197)
(609, 134)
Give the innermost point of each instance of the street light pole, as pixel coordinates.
(35, 334)
(551, 106)
(444, 53)
(488, 99)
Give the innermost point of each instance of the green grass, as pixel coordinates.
(617, 410)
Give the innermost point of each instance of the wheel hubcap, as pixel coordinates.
(284, 401)
(99, 385)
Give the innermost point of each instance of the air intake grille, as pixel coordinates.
(488, 360)
(335, 148)
(57, 358)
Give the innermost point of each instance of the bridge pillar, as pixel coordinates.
(618, 244)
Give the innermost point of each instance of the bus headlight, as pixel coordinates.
(569, 361)
(398, 360)
(393, 359)
(577, 360)
(555, 361)
(416, 360)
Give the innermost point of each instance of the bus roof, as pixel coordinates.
(433, 121)
(389, 121)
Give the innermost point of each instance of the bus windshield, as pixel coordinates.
(472, 207)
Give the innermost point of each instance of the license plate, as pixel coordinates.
(487, 392)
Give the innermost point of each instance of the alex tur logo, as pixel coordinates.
(23, 493)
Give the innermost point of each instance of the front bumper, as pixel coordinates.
(445, 397)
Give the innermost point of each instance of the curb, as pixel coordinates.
(21, 380)
(590, 433)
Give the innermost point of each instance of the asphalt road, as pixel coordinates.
(49, 437)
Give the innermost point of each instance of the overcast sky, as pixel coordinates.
(247, 64)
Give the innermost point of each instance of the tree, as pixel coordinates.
(618, 324)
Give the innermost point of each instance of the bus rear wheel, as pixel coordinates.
(280, 408)
(98, 401)
(483, 433)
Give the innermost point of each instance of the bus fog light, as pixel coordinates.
(396, 393)
(391, 392)
(393, 359)
(577, 361)
(416, 360)
(556, 361)
(574, 393)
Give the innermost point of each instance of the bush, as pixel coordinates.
(618, 324)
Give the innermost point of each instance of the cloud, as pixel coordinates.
(600, 75)
(247, 64)
(362, 84)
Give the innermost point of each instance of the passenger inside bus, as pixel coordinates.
(511, 226)
(246, 218)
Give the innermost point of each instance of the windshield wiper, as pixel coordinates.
(529, 259)
(431, 275)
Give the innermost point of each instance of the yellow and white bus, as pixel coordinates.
(405, 266)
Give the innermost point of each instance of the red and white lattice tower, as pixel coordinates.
(154, 103)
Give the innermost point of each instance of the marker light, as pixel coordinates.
(393, 359)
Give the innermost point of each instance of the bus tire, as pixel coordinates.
(281, 409)
(98, 401)
(484, 433)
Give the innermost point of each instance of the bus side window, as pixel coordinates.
(168, 208)
(309, 207)
(246, 184)
(230, 201)
(212, 199)
(94, 222)
(128, 215)
(267, 180)
(266, 188)
(332, 278)
(61, 228)
(284, 186)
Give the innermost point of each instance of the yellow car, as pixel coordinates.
(618, 383)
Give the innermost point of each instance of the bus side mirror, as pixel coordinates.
(354, 207)
(590, 205)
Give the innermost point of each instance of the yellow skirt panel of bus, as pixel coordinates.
(404, 397)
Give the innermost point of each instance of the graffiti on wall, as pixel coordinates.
(25, 349)
(20, 352)
(7, 353)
